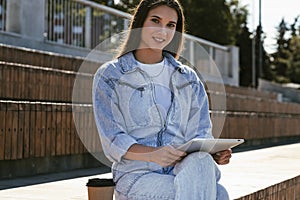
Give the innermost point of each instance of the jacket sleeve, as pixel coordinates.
(109, 120)
(199, 123)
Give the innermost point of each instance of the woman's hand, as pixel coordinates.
(222, 157)
(166, 156)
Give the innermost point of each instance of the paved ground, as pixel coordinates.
(248, 172)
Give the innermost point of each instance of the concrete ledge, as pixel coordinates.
(289, 189)
(46, 165)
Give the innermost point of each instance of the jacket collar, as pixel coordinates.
(128, 63)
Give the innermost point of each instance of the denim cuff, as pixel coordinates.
(120, 146)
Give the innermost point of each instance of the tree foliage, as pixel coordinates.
(213, 20)
(105, 2)
(285, 65)
(293, 71)
(244, 42)
(127, 5)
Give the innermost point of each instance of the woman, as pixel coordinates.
(145, 103)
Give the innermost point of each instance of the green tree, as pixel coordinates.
(105, 2)
(127, 5)
(286, 62)
(239, 18)
(293, 71)
(294, 28)
(281, 56)
(209, 19)
(244, 42)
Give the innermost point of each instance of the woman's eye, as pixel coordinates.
(171, 25)
(155, 21)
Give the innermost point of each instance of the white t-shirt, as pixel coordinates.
(160, 75)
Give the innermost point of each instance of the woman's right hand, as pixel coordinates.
(166, 156)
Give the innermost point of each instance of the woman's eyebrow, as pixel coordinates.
(158, 17)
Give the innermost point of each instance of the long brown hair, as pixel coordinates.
(134, 36)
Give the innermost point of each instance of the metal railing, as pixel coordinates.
(207, 56)
(2, 15)
(82, 23)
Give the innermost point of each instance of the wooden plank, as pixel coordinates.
(5, 81)
(27, 84)
(32, 130)
(43, 83)
(48, 87)
(68, 130)
(48, 130)
(37, 132)
(53, 127)
(32, 90)
(81, 131)
(26, 141)
(58, 130)
(36, 85)
(86, 133)
(73, 129)
(56, 86)
(20, 131)
(22, 84)
(15, 81)
(2, 129)
(2, 79)
(9, 86)
(61, 92)
(14, 138)
(63, 87)
(70, 87)
(8, 132)
(63, 129)
(43, 125)
(76, 127)
(40, 84)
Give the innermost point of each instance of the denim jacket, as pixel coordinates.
(126, 113)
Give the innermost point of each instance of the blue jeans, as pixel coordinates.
(194, 178)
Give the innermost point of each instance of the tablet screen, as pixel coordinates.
(209, 145)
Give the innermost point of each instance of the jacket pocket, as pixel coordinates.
(134, 103)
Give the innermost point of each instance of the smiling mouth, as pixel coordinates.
(160, 40)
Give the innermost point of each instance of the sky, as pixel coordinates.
(272, 13)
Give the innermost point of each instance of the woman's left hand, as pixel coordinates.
(222, 157)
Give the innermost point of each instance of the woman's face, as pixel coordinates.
(159, 28)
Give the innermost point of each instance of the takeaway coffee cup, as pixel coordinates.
(100, 189)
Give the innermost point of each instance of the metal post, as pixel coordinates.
(88, 27)
(253, 49)
(260, 43)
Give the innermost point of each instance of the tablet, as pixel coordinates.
(209, 145)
